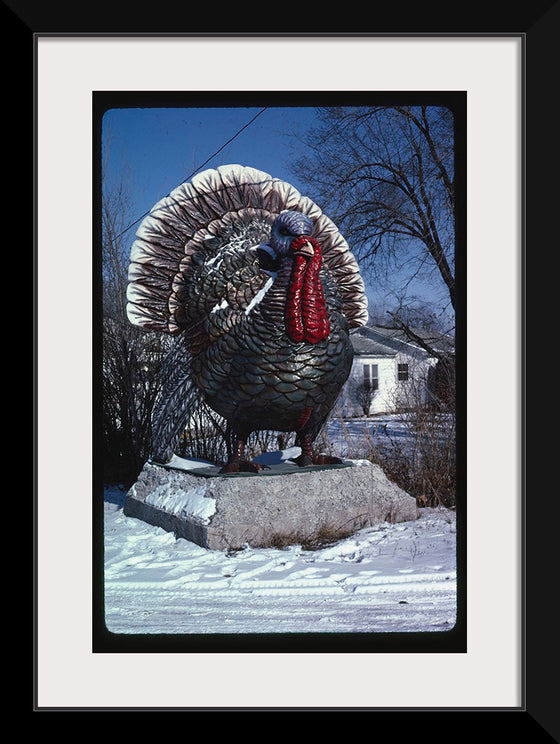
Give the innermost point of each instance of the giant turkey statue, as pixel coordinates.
(260, 289)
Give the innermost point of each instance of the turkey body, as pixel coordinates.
(260, 289)
(257, 378)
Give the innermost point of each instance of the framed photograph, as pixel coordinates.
(83, 83)
(309, 608)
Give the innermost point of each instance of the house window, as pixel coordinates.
(402, 371)
(371, 377)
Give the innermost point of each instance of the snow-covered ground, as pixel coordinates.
(390, 577)
(354, 437)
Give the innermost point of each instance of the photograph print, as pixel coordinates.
(279, 450)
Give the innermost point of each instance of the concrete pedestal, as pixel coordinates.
(279, 506)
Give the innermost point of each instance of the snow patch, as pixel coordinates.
(278, 456)
(191, 503)
(362, 463)
(183, 463)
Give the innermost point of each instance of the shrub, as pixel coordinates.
(415, 449)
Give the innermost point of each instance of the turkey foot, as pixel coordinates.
(308, 457)
(305, 461)
(238, 463)
(241, 466)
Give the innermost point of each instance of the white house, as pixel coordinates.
(390, 372)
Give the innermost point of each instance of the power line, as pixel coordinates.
(198, 168)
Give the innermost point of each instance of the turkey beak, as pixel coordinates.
(307, 249)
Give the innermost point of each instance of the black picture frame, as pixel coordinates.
(538, 26)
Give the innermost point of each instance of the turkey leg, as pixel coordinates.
(237, 462)
(308, 457)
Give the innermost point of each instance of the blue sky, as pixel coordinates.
(161, 147)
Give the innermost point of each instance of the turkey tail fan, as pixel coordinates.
(177, 400)
(183, 230)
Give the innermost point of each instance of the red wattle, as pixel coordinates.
(294, 322)
(306, 311)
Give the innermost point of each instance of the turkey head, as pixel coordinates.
(291, 242)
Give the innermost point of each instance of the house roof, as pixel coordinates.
(365, 346)
(394, 339)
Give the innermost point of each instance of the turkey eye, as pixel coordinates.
(284, 231)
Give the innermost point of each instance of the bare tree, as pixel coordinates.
(131, 357)
(387, 175)
(363, 393)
